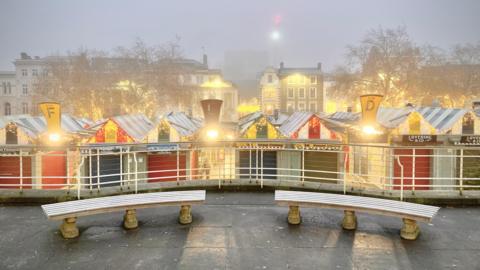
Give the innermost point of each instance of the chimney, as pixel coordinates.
(349, 109)
(205, 60)
(476, 105)
(281, 65)
(436, 103)
(276, 114)
(319, 66)
(211, 110)
(24, 56)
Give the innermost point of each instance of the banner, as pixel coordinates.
(370, 104)
(51, 111)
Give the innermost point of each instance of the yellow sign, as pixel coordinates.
(51, 111)
(370, 104)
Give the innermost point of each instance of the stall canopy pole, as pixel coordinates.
(413, 170)
(121, 167)
(261, 168)
(178, 165)
(90, 167)
(98, 169)
(136, 171)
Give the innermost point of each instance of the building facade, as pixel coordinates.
(292, 89)
(205, 83)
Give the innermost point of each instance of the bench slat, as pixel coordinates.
(116, 203)
(348, 202)
(362, 200)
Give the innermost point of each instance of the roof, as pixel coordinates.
(278, 120)
(185, 125)
(392, 117)
(441, 119)
(308, 71)
(136, 126)
(294, 123)
(247, 120)
(36, 125)
(344, 117)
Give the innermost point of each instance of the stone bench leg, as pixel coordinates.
(294, 215)
(130, 219)
(410, 229)
(185, 215)
(349, 220)
(69, 228)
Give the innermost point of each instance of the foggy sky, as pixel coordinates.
(312, 31)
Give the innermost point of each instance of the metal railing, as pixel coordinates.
(421, 171)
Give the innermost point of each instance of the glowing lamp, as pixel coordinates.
(212, 134)
(54, 137)
(370, 130)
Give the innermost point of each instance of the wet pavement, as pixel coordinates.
(238, 231)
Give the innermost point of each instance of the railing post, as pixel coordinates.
(261, 168)
(401, 177)
(178, 165)
(68, 171)
(121, 168)
(136, 171)
(98, 169)
(79, 180)
(90, 167)
(461, 171)
(250, 164)
(414, 159)
(21, 169)
(303, 165)
(345, 170)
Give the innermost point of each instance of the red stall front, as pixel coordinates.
(166, 163)
(54, 170)
(10, 174)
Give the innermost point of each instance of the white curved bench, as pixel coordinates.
(71, 210)
(409, 212)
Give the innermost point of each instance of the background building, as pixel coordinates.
(292, 89)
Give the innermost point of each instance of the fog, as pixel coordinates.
(311, 31)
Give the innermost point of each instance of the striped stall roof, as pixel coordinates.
(392, 117)
(344, 117)
(35, 125)
(442, 119)
(245, 122)
(185, 125)
(294, 123)
(136, 126)
(277, 120)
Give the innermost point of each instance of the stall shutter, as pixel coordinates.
(163, 167)
(109, 164)
(269, 164)
(324, 166)
(10, 171)
(422, 168)
(54, 169)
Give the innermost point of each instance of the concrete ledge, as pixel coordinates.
(434, 197)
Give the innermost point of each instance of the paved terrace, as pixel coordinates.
(238, 231)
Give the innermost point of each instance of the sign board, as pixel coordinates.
(370, 104)
(469, 140)
(419, 139)
(162, 147)
(52, 113)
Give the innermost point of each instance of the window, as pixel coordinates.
(289, 107)
(4, 85)
(24, 72)
(34, 72)
(290, 92)
(313, 107)
(291, 79)
(301, 79)
(301, 92)
(9, 88)
(24, 108)
(25, 89)
(8, 109)
(301, 106)
(313, 92)
(270, 78)
(468, 124)
(199, 79)
(313, 79)
(45, 73)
